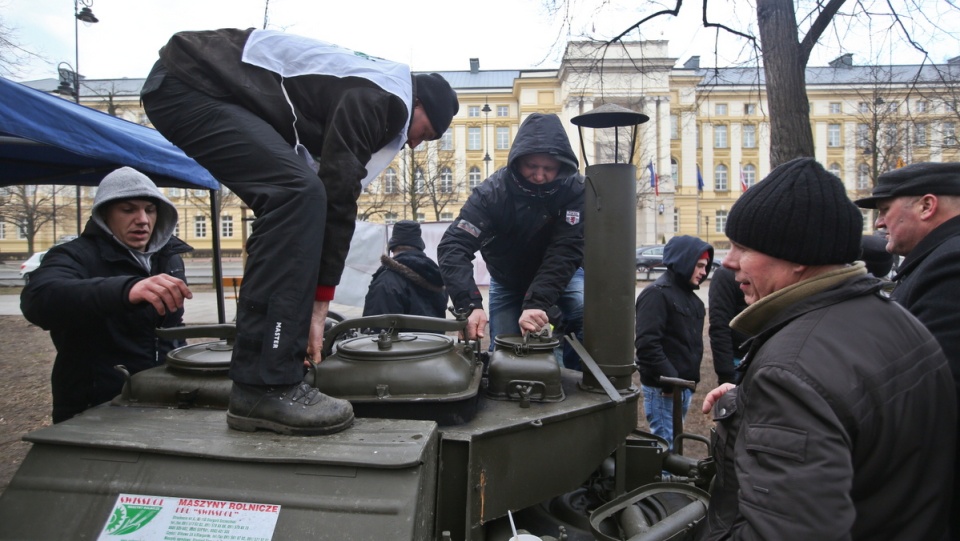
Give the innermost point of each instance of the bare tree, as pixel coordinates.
(783, 51)
(29, 208)
(428, 180)
(379, 197)
(199, 199)
(12, 55)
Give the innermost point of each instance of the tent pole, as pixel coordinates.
(217, 263)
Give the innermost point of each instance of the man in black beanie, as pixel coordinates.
(296, 128)
(409, 282)
(842, 425)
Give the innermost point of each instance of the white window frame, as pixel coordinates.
(721, 175)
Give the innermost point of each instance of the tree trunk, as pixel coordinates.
(784, 66)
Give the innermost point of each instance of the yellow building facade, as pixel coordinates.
(708, 137)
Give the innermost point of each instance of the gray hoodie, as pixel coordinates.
(128, 183)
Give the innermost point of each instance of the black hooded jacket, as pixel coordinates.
(669, 337)
(530, 236)
(80, 294)
(408, 283)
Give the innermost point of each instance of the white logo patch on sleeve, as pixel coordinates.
(573, 217)
(469, 228)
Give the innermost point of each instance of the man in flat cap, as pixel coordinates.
(296, 128)
(842, 426)
(919, 206)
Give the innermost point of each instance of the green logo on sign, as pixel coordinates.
(130, 518)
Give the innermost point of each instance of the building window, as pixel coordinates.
(720, 109)
(226, 226)
(720, 223)
(421, 217)
(949, 134)
(720, 178)
(951, 105)
(890, 135)
(921, 106)
(674, 127)
(176, 230)
(173, 193)
(503, 137)
(199, 193)
(21, 232)
(676, 219)
(863, 135)
(446, 180)
(446, 140)
(473, 177)
(867, 219)
(719, 136)
(390, 180)
(473, 111)
(390, 218)
(749, 174)
(503, 110)
(3, 230)
(418, 182)
(749, 109)
(473, 138)
(446, 216)
(833, 135)
(863, 107)
(749, 136)
(834, 108)
(835, 170)
(863, 177)
(200, 227)
(920, 135)
(674, 171)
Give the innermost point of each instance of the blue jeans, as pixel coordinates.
(659, 410)
(506, 305)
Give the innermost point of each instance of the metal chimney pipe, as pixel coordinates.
(609, 260)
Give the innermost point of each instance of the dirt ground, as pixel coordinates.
(26, 359)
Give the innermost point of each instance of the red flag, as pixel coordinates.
(743, 180)
(654, 179)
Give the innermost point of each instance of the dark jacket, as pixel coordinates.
(669, 332)
(408, 283)
(530, 236)
(80, 294)
(927, 284)
(342, 121)
(842, 426)
(725, 302)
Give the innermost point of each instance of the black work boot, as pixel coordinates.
(296, 410)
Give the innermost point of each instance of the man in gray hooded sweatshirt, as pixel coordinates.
(102, 295)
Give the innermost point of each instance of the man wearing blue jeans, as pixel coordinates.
(670, 331)
(506, 305)
(525, 221)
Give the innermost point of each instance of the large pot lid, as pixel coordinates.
(401, 346)
(204, 357)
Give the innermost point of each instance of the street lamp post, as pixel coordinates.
(486, 135)
(86, 15)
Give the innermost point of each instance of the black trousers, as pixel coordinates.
(283, 253)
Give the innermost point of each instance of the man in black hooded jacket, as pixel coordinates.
(669, 339)
(525, 220)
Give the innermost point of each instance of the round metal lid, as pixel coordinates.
(202, 357)
(532, 343)
(609, 115)
(385, 347)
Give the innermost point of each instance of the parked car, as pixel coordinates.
(650, 258)
(31, 264)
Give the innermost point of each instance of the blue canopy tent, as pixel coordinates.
(48, 140)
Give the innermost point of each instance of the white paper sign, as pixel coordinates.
(137, 517)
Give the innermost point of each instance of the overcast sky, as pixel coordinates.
(430, 35)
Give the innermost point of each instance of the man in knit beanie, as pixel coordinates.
(296, 127)
(841, 391)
